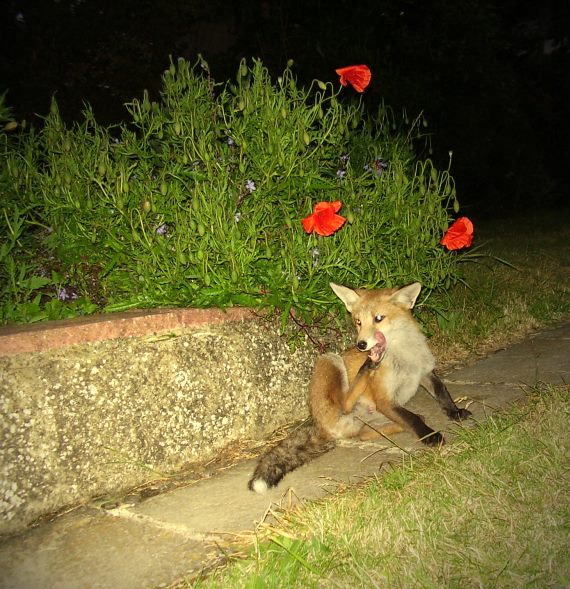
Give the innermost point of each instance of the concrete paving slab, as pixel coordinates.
(93, 550)
(164, 538)
(542, 358)
(224, 505)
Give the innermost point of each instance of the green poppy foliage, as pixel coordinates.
(197, 200)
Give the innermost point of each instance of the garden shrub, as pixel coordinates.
(198, 201)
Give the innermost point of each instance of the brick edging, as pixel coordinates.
(39, 337)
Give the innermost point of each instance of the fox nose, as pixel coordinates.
(362, 345)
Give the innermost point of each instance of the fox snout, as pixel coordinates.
(367, 344)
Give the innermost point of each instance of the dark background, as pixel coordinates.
(492, 77)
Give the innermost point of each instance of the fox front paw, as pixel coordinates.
(375, 356)
(371, 363)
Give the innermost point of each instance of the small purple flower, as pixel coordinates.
(315, 253)
(377, 166)
(250, 186)
(341, 172)
(162, 229)
(66, 295)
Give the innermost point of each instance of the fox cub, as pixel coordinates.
(379, 376)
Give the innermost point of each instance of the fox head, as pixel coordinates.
(378, 311)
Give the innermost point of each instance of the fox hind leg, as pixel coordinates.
(409, 421)
(371, 433)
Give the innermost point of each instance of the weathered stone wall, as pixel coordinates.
(99, 418)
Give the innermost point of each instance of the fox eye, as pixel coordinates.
(358, 322)
(378, 318)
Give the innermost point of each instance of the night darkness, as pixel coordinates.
(491, 77)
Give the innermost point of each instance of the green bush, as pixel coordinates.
(198, 201)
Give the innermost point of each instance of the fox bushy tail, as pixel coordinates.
(301, 446)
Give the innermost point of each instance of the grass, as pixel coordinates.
(491, 510)
(474, 515)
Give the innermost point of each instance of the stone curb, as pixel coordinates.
(40, 337)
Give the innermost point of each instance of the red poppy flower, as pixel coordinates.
(324, 219)
(459, 235)
(358, 76)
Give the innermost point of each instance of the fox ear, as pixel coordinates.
(348, 296)
(407, 295)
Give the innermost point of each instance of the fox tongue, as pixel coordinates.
(377, 351)
(380, 339)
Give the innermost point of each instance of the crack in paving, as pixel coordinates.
(146, 520)
(489, 383)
